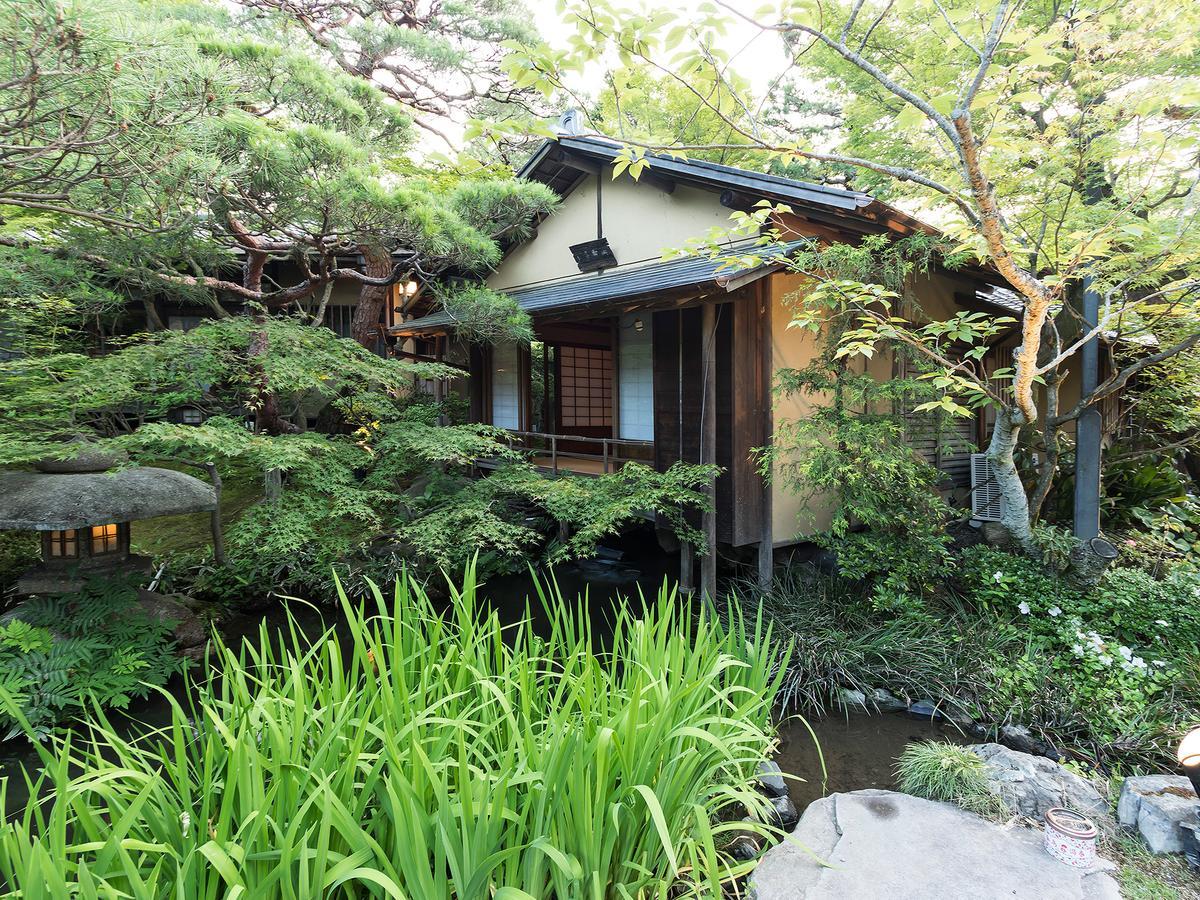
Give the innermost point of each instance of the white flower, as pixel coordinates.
(1138, 663)
(1163, 622)
(1125, 652)
(1023, 607)
(1159, 662)
(1077, 649)
(186, 821)
(998, 577)
(1104, 659)
(1054, 612)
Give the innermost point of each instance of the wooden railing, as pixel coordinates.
(609, 456)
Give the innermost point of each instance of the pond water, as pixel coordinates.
(858, 751)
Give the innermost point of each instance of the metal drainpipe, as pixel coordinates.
(1088, 427)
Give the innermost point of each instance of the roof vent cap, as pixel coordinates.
(570, 123)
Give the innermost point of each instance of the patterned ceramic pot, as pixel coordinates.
(1070, 837)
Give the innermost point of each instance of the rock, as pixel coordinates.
(190, 630)
(745, 845)
(1157, 805)
(781, 813)
(770, 779)
(1021, 738)
(90, 458)
(1030, 784)
(880, 845)
(852, 700)
(996, 535)
(785, 814)
(887, 702)
(926, 709)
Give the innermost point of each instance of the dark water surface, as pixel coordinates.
(858, 752)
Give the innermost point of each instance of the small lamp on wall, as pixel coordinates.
(639, 325)
(410, 288)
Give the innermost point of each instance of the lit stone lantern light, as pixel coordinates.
(1189, 759)
(83, 512)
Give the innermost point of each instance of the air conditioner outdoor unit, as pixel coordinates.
(986, 503)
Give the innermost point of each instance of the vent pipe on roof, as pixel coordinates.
(570, 123)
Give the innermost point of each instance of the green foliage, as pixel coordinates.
(430, 755)
(937, 770)
(483, 315)
(1113, 668)
(510, 512)
(19, 550)
(852, 452)
(68, 655)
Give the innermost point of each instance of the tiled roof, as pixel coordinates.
(626, 281)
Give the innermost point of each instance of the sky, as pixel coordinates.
(759, 57)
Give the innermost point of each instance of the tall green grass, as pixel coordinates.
(427, 756)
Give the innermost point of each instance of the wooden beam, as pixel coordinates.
(580, 163)
(766, 539)
(708, 446)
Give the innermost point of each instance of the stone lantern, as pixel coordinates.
(83, 511)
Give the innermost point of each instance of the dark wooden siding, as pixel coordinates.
(740, 406)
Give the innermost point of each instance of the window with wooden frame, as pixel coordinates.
(585, 386)
(62, 544)
(105, 539)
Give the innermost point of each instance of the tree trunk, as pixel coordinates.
(218, 535)
(1015, 517)
(364, 328)
(154, 321)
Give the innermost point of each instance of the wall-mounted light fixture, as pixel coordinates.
(639, 325)
(411, 288)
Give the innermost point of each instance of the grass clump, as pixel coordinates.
(431, 755)
(937, 770)
(836, 640)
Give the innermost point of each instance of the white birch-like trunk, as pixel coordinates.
(1015, 517)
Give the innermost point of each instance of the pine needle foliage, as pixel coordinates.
(423, 754)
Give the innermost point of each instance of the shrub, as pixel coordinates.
(1111, 671)
(937, 770)
(19, 550)
(428, 755)
(64, 654)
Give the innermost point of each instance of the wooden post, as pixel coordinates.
(214, 519)
(708, 447)
(766, 539)
(546, 427)
(687, 567)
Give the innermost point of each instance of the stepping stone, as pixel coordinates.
(880, 845)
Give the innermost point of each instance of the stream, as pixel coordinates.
(857, 750)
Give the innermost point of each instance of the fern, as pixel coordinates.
(65, 653)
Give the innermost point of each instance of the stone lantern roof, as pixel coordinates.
(55, 501)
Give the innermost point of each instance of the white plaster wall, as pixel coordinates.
(640, 222)
(635, 377)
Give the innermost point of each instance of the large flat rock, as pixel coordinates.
(878, 844)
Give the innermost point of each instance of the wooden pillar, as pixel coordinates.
(766, 540)
(687, 567)
(547, 426)
(708, 447)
